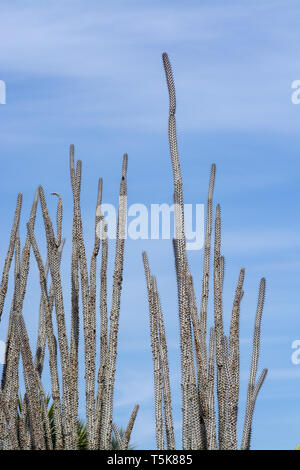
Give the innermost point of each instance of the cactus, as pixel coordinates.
(209, 419)
(219, 365)
(31, 426)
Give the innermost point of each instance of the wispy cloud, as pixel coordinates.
(108, 51)
(277, 374)
(285, 374)
(258, 241)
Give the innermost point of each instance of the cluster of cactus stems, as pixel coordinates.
(209, 419)
(30, 429)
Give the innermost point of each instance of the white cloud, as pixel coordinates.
(267, 339)
(284, 374)
(108, 61)
(263, 240)
(277, 374)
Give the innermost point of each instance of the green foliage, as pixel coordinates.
(81, 428)
(82, 441)
(114, 442)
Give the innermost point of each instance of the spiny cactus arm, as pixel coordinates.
(103, 292)
(147, 276)
(11, 386)
(170, 83)
(226, 444)
(75, 183)
(74, 342)
(218, 310)
(51, 242)
(157, 368)
(10, 379)
(177, 178)
(234, 346)
(3, 407)
(248, 422)
(89, 316)
(96, 246)
(15, 350)
(47, 309)
(255, 354)
(191, 409)
(219, 329)
(128, 431)
(115, 308)
(42, 329)
(10, 368)
(163, 352)
(8, 438)
(199, 398)
(206, 263)
(59, 216)
(222, 272)
(31, 384)
(160, 444)
(11, 363)
(23, 283)
(200, 358)
(26, 248)
(172, 127)
(118, 437)
(72, 169)
(42, 334)
(9, 347)
(8, 259)
(180, 251)
(211, 428)
(54, 261)
(98, 216)
(165, 370)
(100, 401)
(256, 336)
(230, 438)
(93, 441)
(24, 426)
(103, 328)
(44, 408)
(196, 325)
(183, 319)
(195, 414)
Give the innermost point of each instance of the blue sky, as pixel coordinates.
(90, 73)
